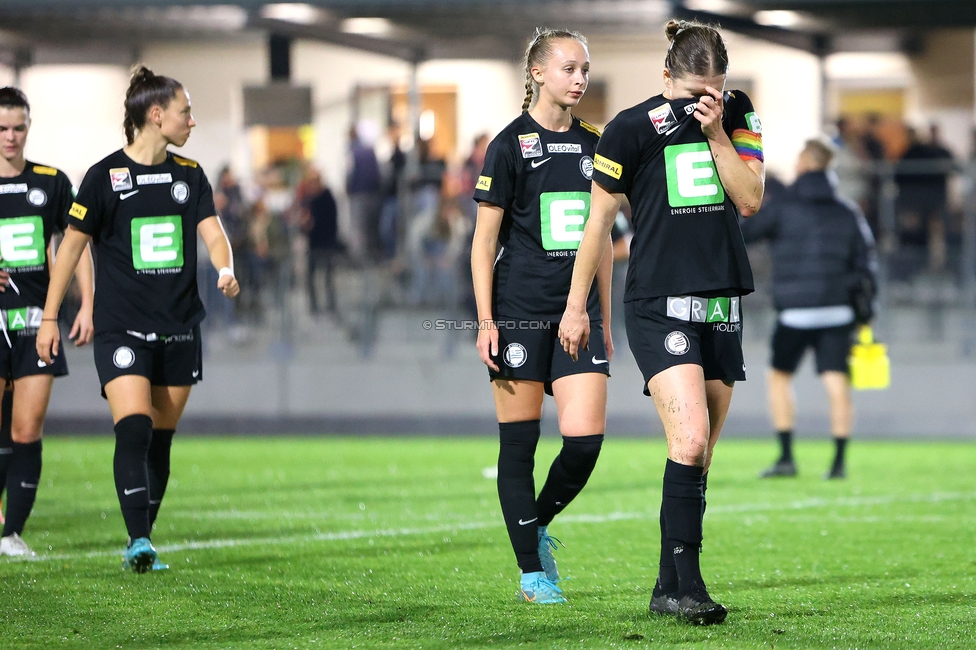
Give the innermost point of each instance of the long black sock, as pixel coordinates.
(683, 506)
(568, 475)
(6, 441)
(667, 578)
(840, 446)
(516, 490)
(23, 478)
(158, 463)
(785, 446)
(133, 435)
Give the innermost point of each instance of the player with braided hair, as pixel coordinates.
(534, 198)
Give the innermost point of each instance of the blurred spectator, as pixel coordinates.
(393, 171)
(269, 235)
(320, 224)
(850, 165)
(874, 155)
(364, 189)
(922, 180)
(470, 172)
(438, 242)
(229, 201)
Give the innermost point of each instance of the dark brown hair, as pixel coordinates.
(696, 50)
(11, 97)
(538, 53)
(146, 90)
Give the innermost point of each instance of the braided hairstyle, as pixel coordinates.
(696, 50)
(538, 53)
(146, 90)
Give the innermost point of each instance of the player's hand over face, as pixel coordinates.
(48, 340)
(709, 111)
(229, 285)
(574, 331)
(83, 328)
(488, 344)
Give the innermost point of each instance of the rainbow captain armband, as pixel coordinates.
(748, 144)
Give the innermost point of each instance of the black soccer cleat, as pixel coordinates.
(782, 468)
(664, 605)
(836, 472)
(699, 609)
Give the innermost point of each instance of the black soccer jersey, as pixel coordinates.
(686, 232)
(143, 221)
(33, 207)
(542, 180)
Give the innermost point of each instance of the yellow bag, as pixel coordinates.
(870, 366)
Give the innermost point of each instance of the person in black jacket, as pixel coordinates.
(823, 284)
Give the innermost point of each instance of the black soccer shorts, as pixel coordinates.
(660, 341)
(166, 360)
(531, 351)
(831, 345)
(19, 358)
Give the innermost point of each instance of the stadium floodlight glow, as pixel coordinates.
(714, 6)
(293, 12)
(367, 26)
(777, 18)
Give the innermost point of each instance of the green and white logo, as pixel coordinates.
(157, 242)
(22, 242)
(755, 125)
(563, 216)
(692, 177)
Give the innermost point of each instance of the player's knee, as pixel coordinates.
(581, 427)
(24, 433)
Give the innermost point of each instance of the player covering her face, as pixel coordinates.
(144, 359)
(530, 167)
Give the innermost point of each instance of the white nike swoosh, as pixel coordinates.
(671, 130)
(28, 486)
(133, 491)
(595, 360)
(524, 523)
(195, 373)
(125, 195)
(540, 163)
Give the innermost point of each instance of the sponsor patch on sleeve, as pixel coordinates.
(484, 183)
(185, 162)
(608, 167)
(589, 127)
(78, 211)
(46, 171)
(662, 118)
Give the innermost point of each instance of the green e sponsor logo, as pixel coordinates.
(157, 242)
(22, 242)
(563, 215)
(692, 177)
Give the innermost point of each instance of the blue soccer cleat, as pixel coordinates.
(159, 565)
(537, 588)
(139, 555)
(547, 545)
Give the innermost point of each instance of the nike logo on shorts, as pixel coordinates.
(127, 492)
(598, 361)
(540, 163)
(525, 523)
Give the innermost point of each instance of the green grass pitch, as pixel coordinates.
(398, 543)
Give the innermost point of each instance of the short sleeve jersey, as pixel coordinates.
(542, 180)
(143, 222)
(686, 232)
(33, 207)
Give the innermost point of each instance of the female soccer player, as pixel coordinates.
(143, 206)
(34, 201)
(533, 199)
(690, 161)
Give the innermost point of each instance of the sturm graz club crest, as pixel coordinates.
(515, 355)
(180, 192)
(123, 357)
(586, 167)
(677, 343)
(37, 197)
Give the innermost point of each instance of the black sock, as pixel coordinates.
(6, 441)
(158, 463)
(683, 507)
(840, 446)
(23, 478)
(667, 577)
(133, 435)
(568, 475)
(516, 490)
(785, 446)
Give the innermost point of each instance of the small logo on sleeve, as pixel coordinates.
(78, 211)
(608, 167)
(484, 183)
(662, 118)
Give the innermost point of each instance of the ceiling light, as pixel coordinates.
(367, 26)
(713, 6)
(294, 12)
(778, 18)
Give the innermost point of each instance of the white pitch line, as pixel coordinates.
(804, 504)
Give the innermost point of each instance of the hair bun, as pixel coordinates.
(675, 26)
(141, 74)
